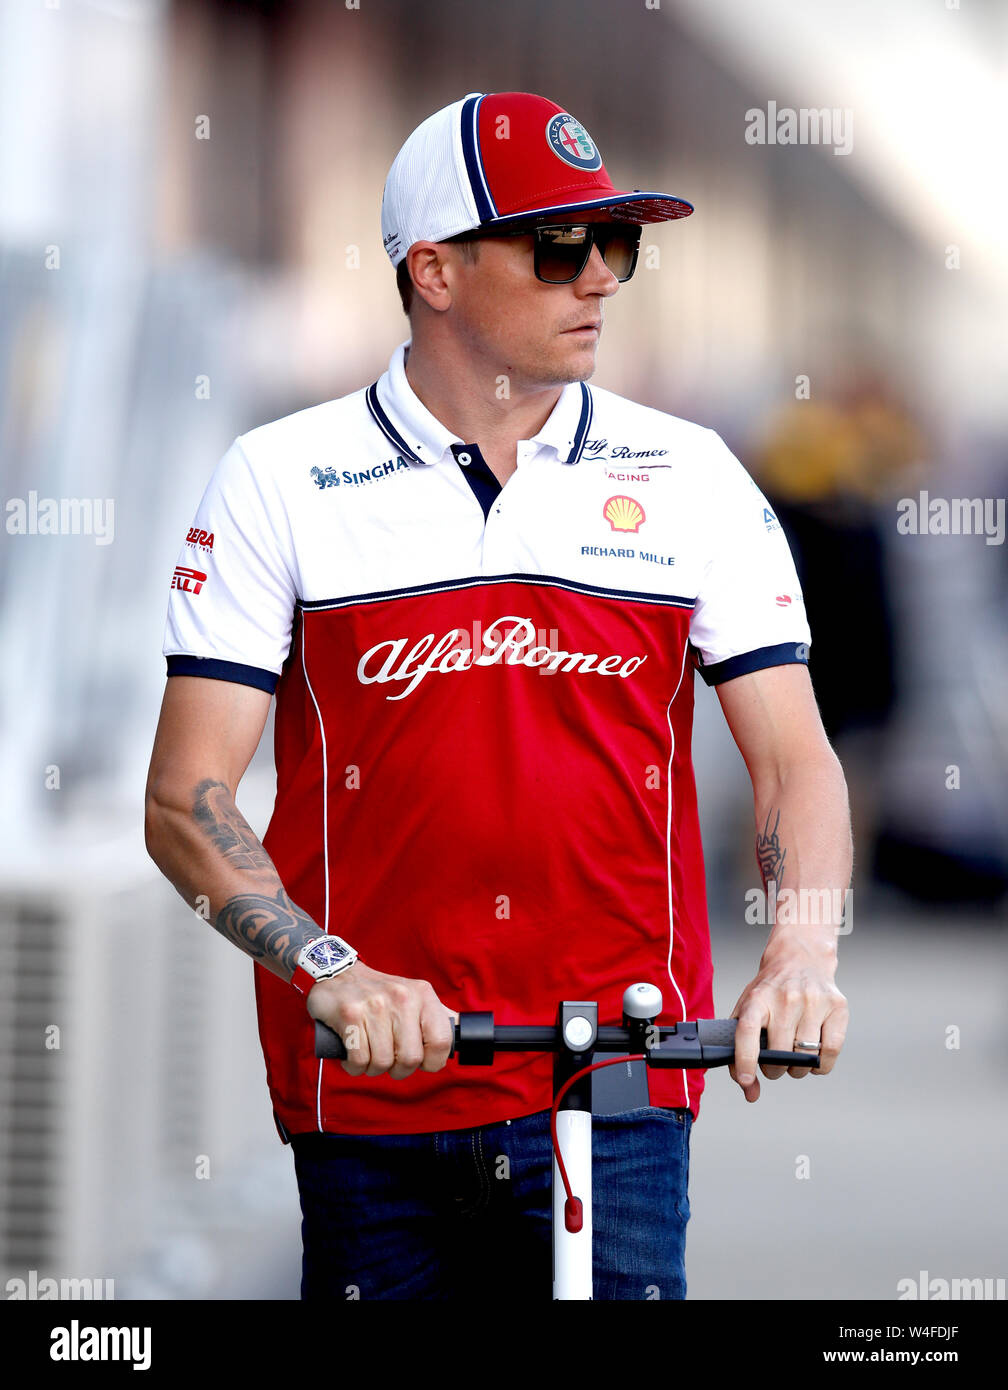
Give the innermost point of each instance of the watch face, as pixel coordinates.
(326, 953)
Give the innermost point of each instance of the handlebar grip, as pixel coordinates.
(717, 1038)
(720, 1032)
(329, 1044)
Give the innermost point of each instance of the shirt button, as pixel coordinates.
(465, 458)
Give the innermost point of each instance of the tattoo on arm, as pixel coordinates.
(266, 925)
(769, 852)
(263, 922)
(218, 817)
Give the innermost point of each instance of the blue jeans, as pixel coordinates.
(466, 1213)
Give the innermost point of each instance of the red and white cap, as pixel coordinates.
(501, 158)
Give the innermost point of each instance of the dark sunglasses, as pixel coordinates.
(560, 252)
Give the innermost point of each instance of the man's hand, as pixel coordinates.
(387, 1023)
(795, 999)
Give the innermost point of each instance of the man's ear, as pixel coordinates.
(427, 266)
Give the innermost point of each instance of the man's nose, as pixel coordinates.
(596, 278)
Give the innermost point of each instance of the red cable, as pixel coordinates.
(573, 1209)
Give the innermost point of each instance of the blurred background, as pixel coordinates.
(190, 247)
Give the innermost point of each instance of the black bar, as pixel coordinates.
(707, 1042)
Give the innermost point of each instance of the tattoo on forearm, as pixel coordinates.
(769, 851)
(265, 925)
(263, 921)
(219, 818)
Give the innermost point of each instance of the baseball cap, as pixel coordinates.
(501, 159)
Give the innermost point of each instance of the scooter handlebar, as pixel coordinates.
(705, 1042)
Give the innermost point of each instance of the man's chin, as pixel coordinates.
(576, 365)
(563, 364)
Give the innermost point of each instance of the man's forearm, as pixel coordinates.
(804, 850)
(209, 852)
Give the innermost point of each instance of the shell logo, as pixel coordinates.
(623, 514)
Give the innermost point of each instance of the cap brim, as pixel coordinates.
(635, 207)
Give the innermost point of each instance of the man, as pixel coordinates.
(480, 589)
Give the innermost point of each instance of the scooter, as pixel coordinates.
(575, 1038)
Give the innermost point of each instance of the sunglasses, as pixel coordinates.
(560, 252)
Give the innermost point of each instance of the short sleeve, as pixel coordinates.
(749, 611)
(233, 592)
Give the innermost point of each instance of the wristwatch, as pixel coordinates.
(321, 959)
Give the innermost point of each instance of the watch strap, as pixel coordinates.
(302, 980)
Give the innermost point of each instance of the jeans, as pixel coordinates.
(466, 1213)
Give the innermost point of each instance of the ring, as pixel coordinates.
(813, 1046)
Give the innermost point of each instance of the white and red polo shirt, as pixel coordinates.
(484, 711)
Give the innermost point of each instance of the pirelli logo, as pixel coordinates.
(189, 581)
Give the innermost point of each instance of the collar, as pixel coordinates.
(419, 436)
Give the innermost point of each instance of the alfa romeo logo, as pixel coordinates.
(570, 142)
